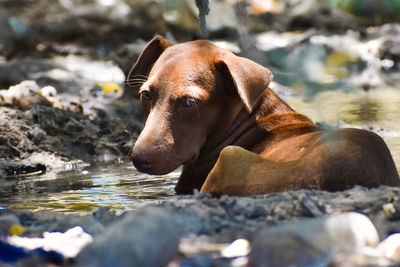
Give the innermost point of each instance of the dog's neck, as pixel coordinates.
(253, 131)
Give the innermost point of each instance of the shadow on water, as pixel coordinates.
(118, 187)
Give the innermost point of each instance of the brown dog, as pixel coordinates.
(213, 113)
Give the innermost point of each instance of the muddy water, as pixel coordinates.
(119, 187)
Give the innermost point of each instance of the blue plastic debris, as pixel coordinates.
(10, 253)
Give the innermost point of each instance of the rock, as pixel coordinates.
(313, 241)
(148, 237)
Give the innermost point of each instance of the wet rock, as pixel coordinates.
(148, 237)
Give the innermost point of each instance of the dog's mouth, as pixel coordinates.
(163, 167)
(145, 168)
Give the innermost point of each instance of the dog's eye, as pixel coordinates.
(146, 95)
(191, 102)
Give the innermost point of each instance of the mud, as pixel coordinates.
(37, 136)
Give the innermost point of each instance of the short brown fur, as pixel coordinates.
(213, 113)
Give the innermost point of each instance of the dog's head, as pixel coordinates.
(191, 95)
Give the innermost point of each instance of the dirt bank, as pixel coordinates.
(192, 230)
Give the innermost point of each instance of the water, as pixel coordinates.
(118, 187)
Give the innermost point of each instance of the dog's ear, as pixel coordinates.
(249, 78)
(149, 55)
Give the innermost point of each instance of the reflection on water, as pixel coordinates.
(119, 187)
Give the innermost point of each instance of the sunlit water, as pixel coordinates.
(118, 187)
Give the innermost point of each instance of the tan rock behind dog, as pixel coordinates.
(213, 113)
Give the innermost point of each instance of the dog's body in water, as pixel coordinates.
(213, 113)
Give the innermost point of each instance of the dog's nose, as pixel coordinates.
(143, 161)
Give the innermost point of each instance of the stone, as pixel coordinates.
(148, 237)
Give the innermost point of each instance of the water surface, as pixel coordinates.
(119, 187)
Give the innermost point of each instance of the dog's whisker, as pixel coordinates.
(137, 79)
(134, 82)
